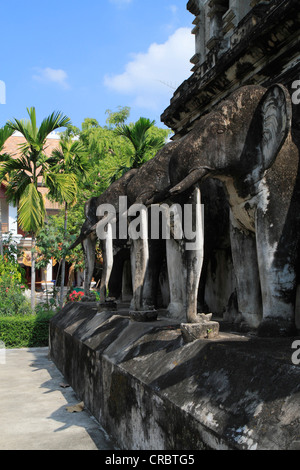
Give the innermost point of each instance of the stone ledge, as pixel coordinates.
(143, 315)
(151, 391)
(204, 330)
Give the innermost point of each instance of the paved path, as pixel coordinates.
(33, 414)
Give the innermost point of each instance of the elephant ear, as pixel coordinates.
(275, 111)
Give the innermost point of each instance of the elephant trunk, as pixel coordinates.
(85, 232)
(192, 178)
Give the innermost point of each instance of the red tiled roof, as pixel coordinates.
(12, 147)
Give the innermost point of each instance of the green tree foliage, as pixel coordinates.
(118, 147)
(21, 175)
(143, 144)
(53, 240)
(70, 159)
(118, 117)
(5, 133)
(109, 153)
(13, 301)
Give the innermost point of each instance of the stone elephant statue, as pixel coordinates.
(88, 236)
(139, 186)
(246, 143)
(147, 185)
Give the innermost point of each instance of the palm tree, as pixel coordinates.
(22, 173)
(143, 143)
(70, 159)
(5, 133)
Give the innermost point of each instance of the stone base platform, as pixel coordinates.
(143, 315)
(108, 305)
(204, 330)
(151, 390)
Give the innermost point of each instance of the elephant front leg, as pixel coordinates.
(198, 325)
(176, 264)
(194, 250)
(151, 283)
(139, 262)
(139, 256)
(139, 266)
(177, 283)
(276, 259)
(89, 248)
(244, 255)
(107, 252)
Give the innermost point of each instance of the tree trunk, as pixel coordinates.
(63, 265)
(33, 242)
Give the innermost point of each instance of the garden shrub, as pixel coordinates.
(19, 327)
(25, 331)
(12, 298)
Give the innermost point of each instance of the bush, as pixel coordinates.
(12, 298)
(25, 331)
(19, 327)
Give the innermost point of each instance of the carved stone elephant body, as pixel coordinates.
(88, 236)
(142, 186)
(246, 143)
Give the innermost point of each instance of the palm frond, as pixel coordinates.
(31, 211)
(156, 142)
(18, 181)
(55, 121)
(62, 187)
(9, 165)
(71, 157)
(24, 126)
(137, 134)
(32, 117)
(5, 133)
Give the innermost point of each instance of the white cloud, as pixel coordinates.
(49, 75)
(121, 3)
(151, 77)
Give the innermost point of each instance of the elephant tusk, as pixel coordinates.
(193, 177)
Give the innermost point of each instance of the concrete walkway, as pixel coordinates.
(33, 407)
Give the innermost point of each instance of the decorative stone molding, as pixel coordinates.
(264, 31)
(193, 7)
(217, 9)
(230, 21)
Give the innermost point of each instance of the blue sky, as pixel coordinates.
(82, 58)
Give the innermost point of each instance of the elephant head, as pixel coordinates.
(240, 138)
